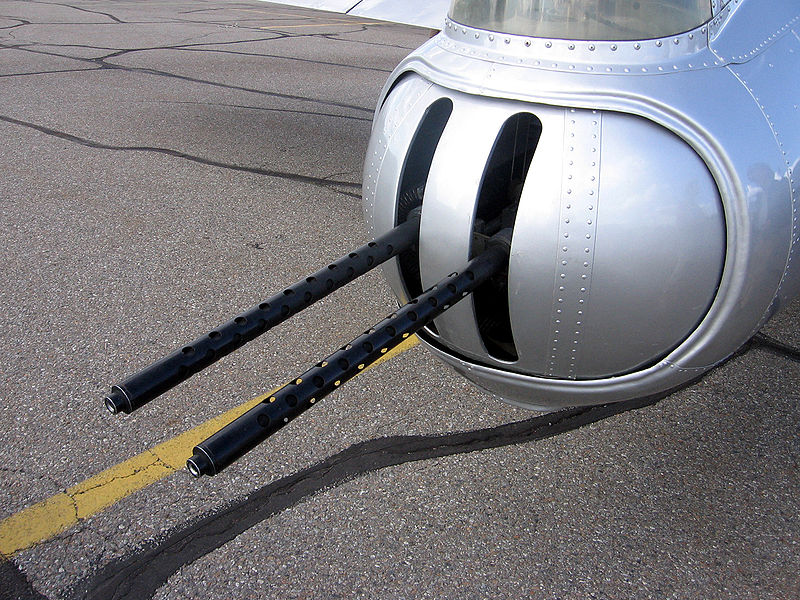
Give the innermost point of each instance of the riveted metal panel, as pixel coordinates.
(727, 116)
(577, 225)
(535, 246)
(617, 251)
(745, 28)
(659, 252)
(780, 105)
(683, 52)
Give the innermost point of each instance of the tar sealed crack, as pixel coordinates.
(14, 583)
(770, 344)
(102, 62)
(141, 574)
(78, 8)
(319, 181)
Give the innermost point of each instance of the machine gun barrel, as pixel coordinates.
(175, 368)
(256, 425)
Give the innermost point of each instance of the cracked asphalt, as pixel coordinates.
(168, 164)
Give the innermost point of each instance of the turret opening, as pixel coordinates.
(498, 200)
(414, 176)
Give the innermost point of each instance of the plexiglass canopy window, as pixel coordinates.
(583, 19)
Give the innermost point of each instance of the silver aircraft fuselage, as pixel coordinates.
(652, 185)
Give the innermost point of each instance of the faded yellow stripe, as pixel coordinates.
(333, 24)
(48, 518)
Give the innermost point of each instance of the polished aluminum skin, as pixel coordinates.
(423, 13)
(657, 227)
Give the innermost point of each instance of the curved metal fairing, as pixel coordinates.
(657, 226)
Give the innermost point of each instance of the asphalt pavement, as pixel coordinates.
(165, 165)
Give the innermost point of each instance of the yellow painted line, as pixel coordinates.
(298, 16)
(326, 24)
(46, 519)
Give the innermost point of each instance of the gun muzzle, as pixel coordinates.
(177, 367)
(256, 425)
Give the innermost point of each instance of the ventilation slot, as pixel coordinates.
(498, 200)
(412, 186)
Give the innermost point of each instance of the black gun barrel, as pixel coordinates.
(177, 367)
(256, 425)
